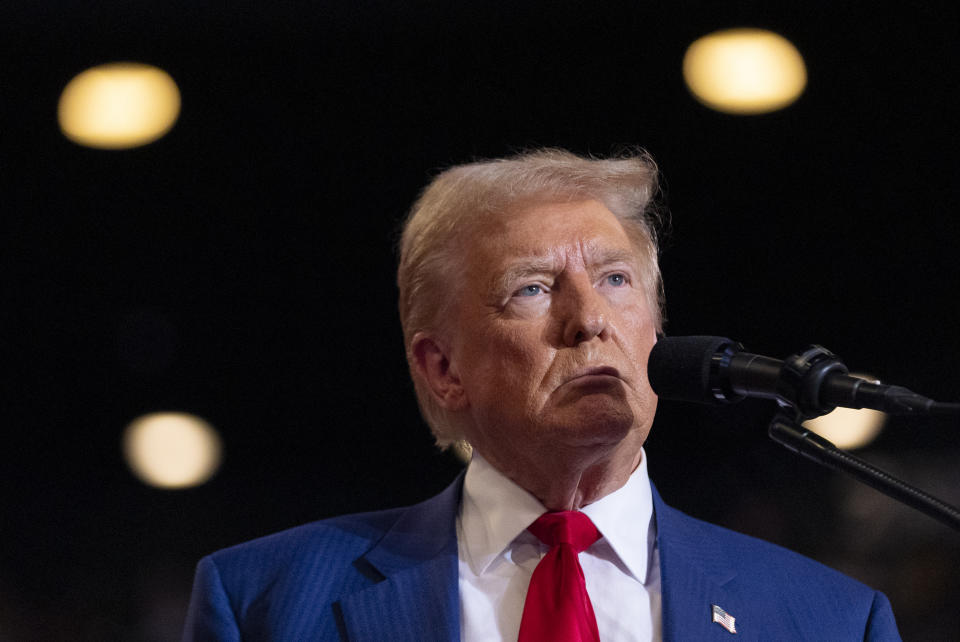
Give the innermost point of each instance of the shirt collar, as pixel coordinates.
(495, 510)
(625, 519)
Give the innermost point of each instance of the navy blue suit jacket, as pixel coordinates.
(392, 575)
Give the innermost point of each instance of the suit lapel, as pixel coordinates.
(693, 578)
(418, 599)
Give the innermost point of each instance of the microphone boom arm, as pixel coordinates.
(795, 437)
(801, 388)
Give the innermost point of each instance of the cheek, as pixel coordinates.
(638, 322)
(516, 357)
(638, 336)
(511, 360)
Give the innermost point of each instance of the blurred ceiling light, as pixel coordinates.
(119, 105)
(744, 71)
(172, 449)
(849, 428)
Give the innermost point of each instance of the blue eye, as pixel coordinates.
(617, 280)
(529, 290)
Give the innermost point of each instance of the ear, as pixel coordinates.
(432, 363)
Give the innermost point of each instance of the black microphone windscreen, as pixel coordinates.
(679, 367)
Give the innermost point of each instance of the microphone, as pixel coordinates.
(716, 370)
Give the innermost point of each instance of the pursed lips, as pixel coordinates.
(594, 371)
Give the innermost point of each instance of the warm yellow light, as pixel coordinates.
(172, 449)
(849, 428)
(119, 105)
(744, 71)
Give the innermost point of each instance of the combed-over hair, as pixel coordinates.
(456, 199)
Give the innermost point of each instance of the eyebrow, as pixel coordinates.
(534, 265)
(523, 268)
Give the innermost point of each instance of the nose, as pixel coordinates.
(584, 313)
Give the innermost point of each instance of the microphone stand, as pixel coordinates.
(795, 437)
(799, 388)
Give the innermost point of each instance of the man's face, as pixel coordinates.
(551, 334)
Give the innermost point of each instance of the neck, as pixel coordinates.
(570, 479)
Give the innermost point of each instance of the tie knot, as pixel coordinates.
(565, 527)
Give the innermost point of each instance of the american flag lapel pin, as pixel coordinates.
(724, 619)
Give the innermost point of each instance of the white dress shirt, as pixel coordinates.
(498, 556)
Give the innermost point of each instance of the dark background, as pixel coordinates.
(241, 268)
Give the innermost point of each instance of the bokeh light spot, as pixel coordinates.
(119, 105)
(847, 427)
(744, 71)
(172, 449)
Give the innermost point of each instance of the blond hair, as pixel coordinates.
(456, 199)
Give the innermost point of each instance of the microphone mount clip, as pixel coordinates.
(802, 378)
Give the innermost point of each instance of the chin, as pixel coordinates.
(601, 420)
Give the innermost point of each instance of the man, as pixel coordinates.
(530, 298)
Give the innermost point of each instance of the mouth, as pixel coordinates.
(594, 373)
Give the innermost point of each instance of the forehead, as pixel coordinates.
(586, 228)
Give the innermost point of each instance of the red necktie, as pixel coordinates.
(558, 608)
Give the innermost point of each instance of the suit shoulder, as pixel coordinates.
(333, 537)
(757, 560)
(776, 593)
(280, 585)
